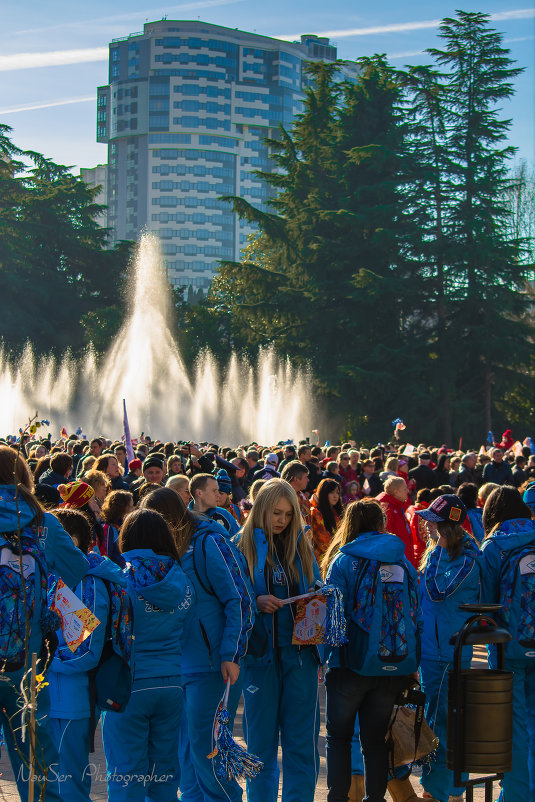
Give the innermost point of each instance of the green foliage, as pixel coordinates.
(60, 287)
(391, 262)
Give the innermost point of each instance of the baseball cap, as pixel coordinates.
(444, 508)
(272, 459)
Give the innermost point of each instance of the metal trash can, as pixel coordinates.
(480, 706)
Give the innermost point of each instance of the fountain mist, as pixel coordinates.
(266, 402)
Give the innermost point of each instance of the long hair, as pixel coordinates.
(454, 535)
(503, 504)
(361, 516)
(14, 470)
(325, 487)
(179, 519)
(260, 518)
(147, 529)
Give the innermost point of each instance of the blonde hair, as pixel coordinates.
(260, 518)
(176, 480)
(255, 488)
(96, 479)
(365, 515)
(485, 490)
(394, 481)
(392, 464)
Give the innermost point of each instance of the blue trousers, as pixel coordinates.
(46, 764)
(198, 777)
(141, 744)
(282, 699)
(436, 778)
(72, 739)
(519, 784)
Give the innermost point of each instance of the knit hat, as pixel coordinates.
(223, 481)
(445, 508)
(154, 461)
(529, 496)
(134, 465)
(75, 494)
(271, 459)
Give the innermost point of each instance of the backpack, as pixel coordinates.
(110, 682)
(383, 636)
(517, 593)
(257, 642)
(19, 594)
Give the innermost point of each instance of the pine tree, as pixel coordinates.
(485, 281)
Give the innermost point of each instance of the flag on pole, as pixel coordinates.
(127, 438)
(398, 425)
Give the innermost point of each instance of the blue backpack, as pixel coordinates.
(517, 594)
(383, 635)
(20, 593)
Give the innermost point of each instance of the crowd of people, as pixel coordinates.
(187, 553)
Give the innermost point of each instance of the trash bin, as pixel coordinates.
(480, 706)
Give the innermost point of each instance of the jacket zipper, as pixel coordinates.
(206, 640)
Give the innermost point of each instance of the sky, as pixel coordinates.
(54, 55)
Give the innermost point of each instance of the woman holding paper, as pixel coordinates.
(281, 688)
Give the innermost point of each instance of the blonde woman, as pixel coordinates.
(281, 688)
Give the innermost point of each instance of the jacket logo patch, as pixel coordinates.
(252, 689)
(391, 573)
(527, 564)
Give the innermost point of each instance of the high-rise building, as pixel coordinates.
(98, 177)
(185, 115)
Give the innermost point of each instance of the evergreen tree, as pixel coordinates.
(58, 283)
(485, 280)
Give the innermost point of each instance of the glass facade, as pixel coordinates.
(185, 116)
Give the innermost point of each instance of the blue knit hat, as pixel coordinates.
(223, 481)
(529, 496)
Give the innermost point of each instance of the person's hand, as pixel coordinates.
(230, 670)
(194, 451)
(268, 604)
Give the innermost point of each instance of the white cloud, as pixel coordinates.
(152, 14)
(48, 104)
(54, 58)
(400, 27)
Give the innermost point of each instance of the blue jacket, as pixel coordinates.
(162, 597)
(444, 585)
(260, 588)
(69, 684)
(52, 478)
(225, 603)
(222, 517)
(475, 516)
(343, 570)
(513, 534)
(62, 557)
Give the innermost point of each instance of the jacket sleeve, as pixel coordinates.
(225, 576)
(62, 557)
(490, 573)
(87, 655)
(336, 575)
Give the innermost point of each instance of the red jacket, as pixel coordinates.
(417, 527)
(396, 522)
(348, 475)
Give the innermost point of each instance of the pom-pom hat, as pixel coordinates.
(75, 494)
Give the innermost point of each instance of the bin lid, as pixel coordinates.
(480, 635)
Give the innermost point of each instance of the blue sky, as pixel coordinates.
(54, 55)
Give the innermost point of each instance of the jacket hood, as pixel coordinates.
(104, 568)
(8, 510)
(386, 497)
(203, 525)
(513, 534)
(157, 578)
(376, 546)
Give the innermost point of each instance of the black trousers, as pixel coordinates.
(372, 698)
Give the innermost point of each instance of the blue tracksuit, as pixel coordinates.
(65, 560)
(475, 517)
(218, 632)
(281, 693)
(70, 722)
(221, 516)
(518, 784)
(446, 583)
(142, 742)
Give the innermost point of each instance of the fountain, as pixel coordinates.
(267, 402)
